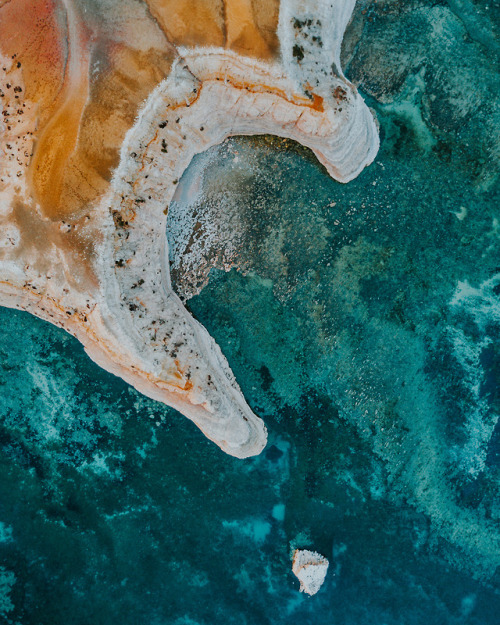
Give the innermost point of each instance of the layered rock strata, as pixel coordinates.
(86, 249)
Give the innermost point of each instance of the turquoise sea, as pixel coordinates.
(362, 322)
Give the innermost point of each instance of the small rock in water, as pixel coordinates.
(310, 568)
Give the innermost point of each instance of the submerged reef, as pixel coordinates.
(86, 193)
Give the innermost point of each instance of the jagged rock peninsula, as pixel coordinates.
(102, 114)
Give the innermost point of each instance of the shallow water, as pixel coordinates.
(362, 322)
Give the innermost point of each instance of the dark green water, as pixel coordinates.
(362, 322)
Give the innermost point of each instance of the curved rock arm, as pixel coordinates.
(208, 97)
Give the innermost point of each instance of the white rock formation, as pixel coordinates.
(310, 568)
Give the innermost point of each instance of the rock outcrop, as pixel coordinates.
(88, 174)
(310, 568)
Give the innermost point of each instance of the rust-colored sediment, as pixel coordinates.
(246, 26)
(51, 44)
(31, 31)
(127, 79)
(57, 141)
(81, 115)
(315, 102)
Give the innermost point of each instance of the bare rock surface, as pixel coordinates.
(310, 568)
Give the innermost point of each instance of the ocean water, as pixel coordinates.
(362, 322)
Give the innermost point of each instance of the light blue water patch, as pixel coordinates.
(279, 512)
(7, 580)
(255, 529)
(5, 533)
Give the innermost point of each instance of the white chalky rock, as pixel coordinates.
(310, 568)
